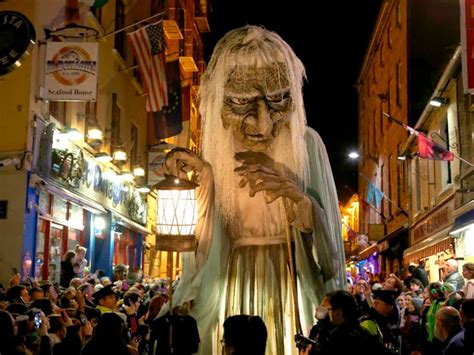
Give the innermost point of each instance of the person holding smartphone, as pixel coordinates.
(131, 302)
(36, 337)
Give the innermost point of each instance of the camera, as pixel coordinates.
(302, 342)
(37, 319)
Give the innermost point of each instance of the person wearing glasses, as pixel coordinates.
(360, 291)
(347, 336)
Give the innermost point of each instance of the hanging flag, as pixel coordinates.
(429, 149)
(168, 122)
(374, 195)
(149, 49)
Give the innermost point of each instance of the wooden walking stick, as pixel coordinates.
(294, 290)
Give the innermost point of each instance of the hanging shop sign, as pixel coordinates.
(17, 38)
(376, 231)
(71, 71)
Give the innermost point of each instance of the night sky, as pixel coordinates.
(330, 39)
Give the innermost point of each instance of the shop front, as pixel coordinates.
(87, 203)
(390, 252)
(463, 232)
(367, 264)
(431, 243)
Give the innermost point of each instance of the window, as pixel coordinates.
(57, 109)
(90, 114)
(374, 131)
(120, 44)
(56, 235)
(389, 180)
(382, 188)
(382, 119)
(399, 15)
(399, 177)
(115, 122)
(398, 92)
(389, 97)
(445, 165)
(382, 63)
(389, 35)
(157, 6)
(134, 145)
(417, 188)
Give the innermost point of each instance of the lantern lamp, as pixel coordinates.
(119, 154)
(94, 132)
(176, 214)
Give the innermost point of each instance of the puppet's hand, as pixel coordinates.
(259, 171)
(180, 161)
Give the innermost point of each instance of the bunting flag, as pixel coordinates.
(148, 46)
(374, 195)
(429, 149)
(168, 122)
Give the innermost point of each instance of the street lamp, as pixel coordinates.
(355, 155)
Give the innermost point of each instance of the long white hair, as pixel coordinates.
(249, 46)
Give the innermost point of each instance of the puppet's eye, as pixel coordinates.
(239, 100)
(276, 98)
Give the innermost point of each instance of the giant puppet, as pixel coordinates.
(264, 179)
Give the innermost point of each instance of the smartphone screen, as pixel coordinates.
(38, 320)
(83, 318)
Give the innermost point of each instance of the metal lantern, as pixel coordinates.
(176, 214)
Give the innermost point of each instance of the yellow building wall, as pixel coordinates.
(15, 90)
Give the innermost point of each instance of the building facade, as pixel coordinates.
(75, 172)
(433, 218)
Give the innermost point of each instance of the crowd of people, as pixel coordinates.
(92, 313)
(87, 313)
(409, 317)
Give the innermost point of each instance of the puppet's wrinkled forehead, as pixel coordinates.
(275, 73)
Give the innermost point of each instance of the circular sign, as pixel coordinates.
(72, 65)
(17, 37)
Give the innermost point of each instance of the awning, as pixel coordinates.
(128, 223)
(84, 202)
(462, 221)
(430, 246)
(364, 254)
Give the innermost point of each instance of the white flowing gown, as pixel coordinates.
(246, 270)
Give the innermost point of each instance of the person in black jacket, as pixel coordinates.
(67, 270)
(348, 337)
(419, 273)
(244, 335)
(185, 334)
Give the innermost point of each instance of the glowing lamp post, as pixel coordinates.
(176, 214)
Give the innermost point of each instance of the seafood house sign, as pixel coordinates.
(71, 71)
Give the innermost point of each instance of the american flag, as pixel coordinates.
(149, 48)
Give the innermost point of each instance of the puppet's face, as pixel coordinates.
(257, 105)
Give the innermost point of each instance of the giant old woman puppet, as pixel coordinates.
(264, 178)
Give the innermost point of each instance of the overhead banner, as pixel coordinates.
(467, 44)
(71, 71)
